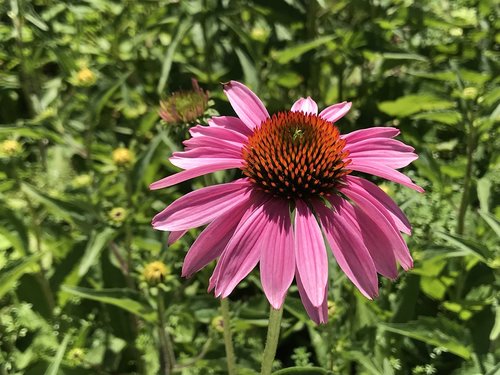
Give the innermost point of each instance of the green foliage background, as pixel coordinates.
(79, 79)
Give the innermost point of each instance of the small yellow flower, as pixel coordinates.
(155, 272)
(469, 93)
(75, 356)
(10, 147)
(118, 214)
(218, 323)
(122, 156)
(85, 77)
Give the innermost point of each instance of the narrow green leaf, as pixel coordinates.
(403, 56)
(125, 299)
(12, 272)
(364, 361)
(288, 54)
(303, 371)
(434, 331)
(184, 26)
(97, 242)
(53, 369)
(443, 117)
(249, 71)
(492, 222)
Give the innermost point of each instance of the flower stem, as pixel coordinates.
(228, 340)
(273, 334)
(167, 356)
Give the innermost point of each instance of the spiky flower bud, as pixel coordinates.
(122, 156)
(155, 272)
(184, 106)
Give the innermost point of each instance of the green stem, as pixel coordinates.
(273, 334)
(228, 340)
(167, 351)
(464, 203)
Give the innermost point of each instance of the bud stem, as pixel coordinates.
(228, 341)
(273, 334)
(167, 356)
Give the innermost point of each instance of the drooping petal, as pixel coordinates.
(246, 104)
(385, 172)
(306, 105)
(175, 236)
(194, 172)
(347, 245)
(335, 112)
(375, 132)
(212, 241)
(277, 259)
(242, 253)
(310, 254)
(377, 242)
(318, 314)
(375, 194)
(387, 228)
(202, 206)
(231, 123)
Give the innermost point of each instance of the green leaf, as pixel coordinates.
(411, 104)
(434, 331)
(364, 361)
(125, 299)
(288, 54)
(12, 272)
(467, 247)
(183, 27)
(403, 56)
(443, 117)
(97, 242)
(303, 371)
(69, 211)
(249, 71)
(53, 369)
(492, 222)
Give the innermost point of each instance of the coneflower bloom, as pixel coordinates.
(296, 190)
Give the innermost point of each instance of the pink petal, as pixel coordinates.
(342, 233)
(392, 159)
(219, 133)
(277, 261)
(231, 123)
(202, 206)
(379, 143)
(387, 229)
(242, 253)
(306, 105)
(375, 194)
(385, 172)
(377, 242)
(362, 134)
(310, 254)
(335, 112)
(318, 314)
(175, 235)
(197, 159)
(246, 104)
(212, 241)
(194, 172)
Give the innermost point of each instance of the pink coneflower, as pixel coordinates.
(296, 191)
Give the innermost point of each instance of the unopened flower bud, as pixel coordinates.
(10, 147)
(122, 156)
(184, 106)
(155, 272)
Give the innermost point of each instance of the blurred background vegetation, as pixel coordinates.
(81, 139)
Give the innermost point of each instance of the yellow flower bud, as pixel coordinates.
(470, 93)
(218, 323)
(10, 147)
(118, 214)
(85, 77)
(122, 156)
(155, 272)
